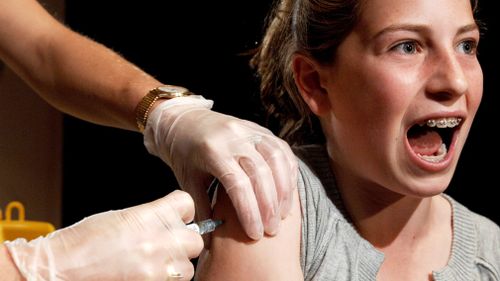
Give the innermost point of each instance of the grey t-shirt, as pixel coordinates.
(331, 249)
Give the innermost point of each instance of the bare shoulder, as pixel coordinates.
(234, 256)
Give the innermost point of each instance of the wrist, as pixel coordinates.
(165, 112)
(149, 100)
(8, 268)
(168, 115)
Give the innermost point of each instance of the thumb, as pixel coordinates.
(180, 202)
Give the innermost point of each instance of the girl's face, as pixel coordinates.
(402, 93)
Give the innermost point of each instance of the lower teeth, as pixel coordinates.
(436, 158)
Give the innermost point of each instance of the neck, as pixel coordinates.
(388, 219)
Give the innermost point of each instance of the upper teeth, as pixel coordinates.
(449, 122)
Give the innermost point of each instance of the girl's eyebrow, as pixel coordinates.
(468, 28)
(421, 28)
(401, 27)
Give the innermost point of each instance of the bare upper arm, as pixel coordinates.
(234, 256)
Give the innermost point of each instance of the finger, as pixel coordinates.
(277, 161)
(190, 241)
(294, 178)
(285, 171)
(265, 191)
(178, 245)
(285, 177)
(240, 191)
(179, 271)
(180, 202)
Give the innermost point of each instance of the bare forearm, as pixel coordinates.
(94, 83)
(8, 270)
(73, 73)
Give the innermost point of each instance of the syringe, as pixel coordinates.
(204, 226)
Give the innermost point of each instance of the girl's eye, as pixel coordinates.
(407, 47)
(468, 47)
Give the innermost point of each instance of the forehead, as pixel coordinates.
(379, 14)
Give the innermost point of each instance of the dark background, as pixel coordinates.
(199, 44)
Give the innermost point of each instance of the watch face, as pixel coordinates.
(172, 89)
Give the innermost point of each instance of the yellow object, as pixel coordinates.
(11, 229)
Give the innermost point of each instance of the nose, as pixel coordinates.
(447, 78)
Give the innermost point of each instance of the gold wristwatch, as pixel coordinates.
(162, 92)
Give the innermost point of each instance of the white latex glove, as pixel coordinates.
(146, 242)
(257, 169)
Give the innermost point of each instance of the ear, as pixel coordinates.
(308, 80)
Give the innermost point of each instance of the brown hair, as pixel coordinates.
(314, 28)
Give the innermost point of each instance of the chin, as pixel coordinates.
(429, 186)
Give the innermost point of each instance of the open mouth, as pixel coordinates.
(431, 139)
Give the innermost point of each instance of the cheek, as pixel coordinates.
(473, 99)
(371, 95)
(476, 90)
(368, 105)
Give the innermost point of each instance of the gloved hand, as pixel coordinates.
(257, 169)
(145, 242)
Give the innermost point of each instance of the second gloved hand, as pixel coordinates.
(146, 242)
(257, 169)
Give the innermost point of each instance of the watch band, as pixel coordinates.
(162, 92)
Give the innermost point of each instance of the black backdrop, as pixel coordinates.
(199, 44)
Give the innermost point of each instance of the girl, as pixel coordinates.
(393, 87)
